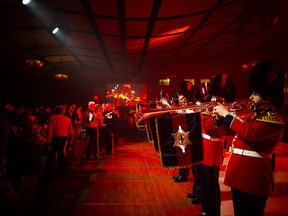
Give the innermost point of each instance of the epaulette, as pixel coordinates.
(269, 117)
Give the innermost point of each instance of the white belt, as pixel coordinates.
(206, 136)
(249, 153)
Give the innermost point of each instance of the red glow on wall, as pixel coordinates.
(160, 40)
(244, 66)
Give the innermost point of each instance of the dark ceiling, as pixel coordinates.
(119, 38)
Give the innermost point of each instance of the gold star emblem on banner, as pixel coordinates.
(181, 139)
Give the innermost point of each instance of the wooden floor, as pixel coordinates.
(132, 181)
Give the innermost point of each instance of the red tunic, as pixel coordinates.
(213, 142)
(247, 173)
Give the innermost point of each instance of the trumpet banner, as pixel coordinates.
(180, 139)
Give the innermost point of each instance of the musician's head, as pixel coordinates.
(185, 86)
(109, 107)
(266, 82)
(203, 92)
(165, 95)
(186, 90)
(91, 106)
(223, 86)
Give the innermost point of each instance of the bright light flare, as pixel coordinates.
(55, 30)
(26, 2)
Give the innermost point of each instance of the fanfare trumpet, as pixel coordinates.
(207, 108)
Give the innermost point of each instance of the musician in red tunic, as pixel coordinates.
(93, 119)
(249, 171)
(213, 142)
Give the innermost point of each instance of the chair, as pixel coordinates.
(77, 156)
(75, 136)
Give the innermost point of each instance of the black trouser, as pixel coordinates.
(184, 172)
(197, 175)
(93, 142)
(108, 140)
(57, 146)
(101, 138)
(211, 195)
(248, 204)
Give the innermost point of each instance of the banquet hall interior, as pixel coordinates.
(128, 53)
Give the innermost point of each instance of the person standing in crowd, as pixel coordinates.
(43, 114)
(5, 129)
(92, 120)
(108, 128)
(69, 112)
(59, 136)
(78, 119)
(203, 93)
(249, 171)
(30, 146)
(101, 108)
(116, 125)
(185, 95)
(125, 97)
(164, 100)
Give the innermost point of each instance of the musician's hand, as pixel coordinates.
(220, 110)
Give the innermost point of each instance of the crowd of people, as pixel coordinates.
(38, 142)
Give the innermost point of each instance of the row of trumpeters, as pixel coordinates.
(143, 112)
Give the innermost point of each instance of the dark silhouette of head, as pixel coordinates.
(223, 86)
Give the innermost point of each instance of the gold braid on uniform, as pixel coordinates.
(269, 117)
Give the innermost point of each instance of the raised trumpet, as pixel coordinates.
(207, 108)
